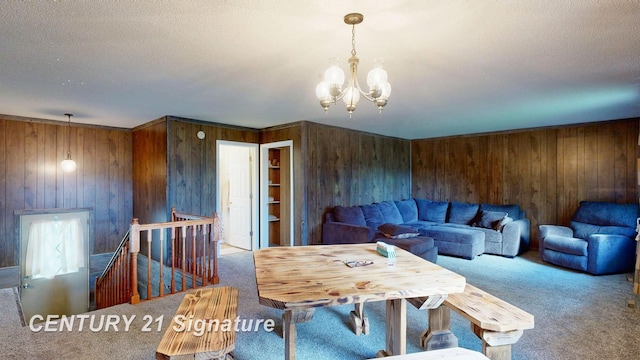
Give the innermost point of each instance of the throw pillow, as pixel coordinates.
(490, 219)
(504, 222)
(395, 231)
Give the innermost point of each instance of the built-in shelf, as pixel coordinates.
(278, 196)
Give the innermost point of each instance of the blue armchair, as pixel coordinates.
(601, 239)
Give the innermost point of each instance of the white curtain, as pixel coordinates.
(54, 248)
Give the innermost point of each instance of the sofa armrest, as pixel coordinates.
(341, 233)
(546, 230)
(511, 238)
(525, 234)
(610, 254)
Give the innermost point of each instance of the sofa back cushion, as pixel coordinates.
(583, 231)
(390, 212)
(372, 215)
(434, 211)
(408, 209)
(349, 215)
(513, 210)
(462, 213)
(606, 214)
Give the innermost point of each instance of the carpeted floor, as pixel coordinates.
(577, 316)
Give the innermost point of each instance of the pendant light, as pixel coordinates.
(67, 164)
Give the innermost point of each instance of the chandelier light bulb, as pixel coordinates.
(351, 98)
(386, 90)
(377, 76)
(334, 75)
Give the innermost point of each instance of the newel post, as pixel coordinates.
(134, 248)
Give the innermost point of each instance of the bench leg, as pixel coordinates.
(438, 335)
(497, 345)
(289, 320)
(359, 321)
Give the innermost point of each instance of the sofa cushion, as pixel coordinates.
(434, 211)
(583, 231)
(566, 245)
(349, 215)
(408, 210)
(390, 212)
(513, 210)
(606, 214)
(395, 231)
(462, 213)
(372, 215)
(491, 235)
(489, 219)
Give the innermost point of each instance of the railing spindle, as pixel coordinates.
(184, 269)
(161, 286)
(149, 290)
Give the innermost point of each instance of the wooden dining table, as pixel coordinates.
(299, 279)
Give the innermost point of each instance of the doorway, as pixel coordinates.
(237, 184)
(54, 262)
(276, 194)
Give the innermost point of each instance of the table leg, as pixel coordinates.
(359, 321)
(396, 328)
(289, 320)
(289, 335)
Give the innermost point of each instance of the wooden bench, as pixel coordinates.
(200, 326)
(497, 323)
(455, 353)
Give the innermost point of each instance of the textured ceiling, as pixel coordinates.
(456, 67)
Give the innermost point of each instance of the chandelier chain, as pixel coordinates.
(69, 135)
(353, 40)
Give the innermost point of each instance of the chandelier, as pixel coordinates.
(330, 89)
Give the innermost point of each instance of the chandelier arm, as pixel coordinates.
(362, 92)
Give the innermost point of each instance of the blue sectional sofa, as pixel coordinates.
(599, 241)
(456, 228)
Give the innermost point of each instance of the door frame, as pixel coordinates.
(255, 189)
(264, 190)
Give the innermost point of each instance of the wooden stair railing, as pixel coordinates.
(193, 242)
(193, 246)
(113, 286)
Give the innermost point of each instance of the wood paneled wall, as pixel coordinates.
(31, 178)
(547, 172)
(347, 167)
(150, 172)
(192, 178)
(337, 166)
(173, 168)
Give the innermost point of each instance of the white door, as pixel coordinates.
(240, 201)
(236, 188)
(54, 265)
